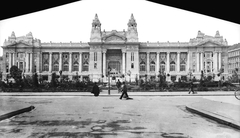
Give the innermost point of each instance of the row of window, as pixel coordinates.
(65, 67)
(234, 53)
(163, 67)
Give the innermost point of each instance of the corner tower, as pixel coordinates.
(132, 34)
(96, 30)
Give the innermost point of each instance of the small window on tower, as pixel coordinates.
(132, 65)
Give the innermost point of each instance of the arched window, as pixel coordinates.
(45, 67)
(162, 66)
(85, 66)
(152, 66)
(182, 66)
(55, 67)
(75, 67)
(142, 66)
(172, 66)
(65, 67)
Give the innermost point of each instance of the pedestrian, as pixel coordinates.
(119, 86)
(124, 91)
(191, 88)
(95, 89)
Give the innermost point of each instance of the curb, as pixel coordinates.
(216, 117)
(106, 95)
(17, 112)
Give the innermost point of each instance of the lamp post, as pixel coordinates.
(190, 73)
(109, 69)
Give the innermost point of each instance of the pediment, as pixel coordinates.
(208, 44)
(114, 38)
(19, 44)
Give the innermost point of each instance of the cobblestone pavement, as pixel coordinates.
(88, 116)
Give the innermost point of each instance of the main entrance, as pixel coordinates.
(114, 60)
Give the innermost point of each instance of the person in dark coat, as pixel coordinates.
(191, 88)
(124, 91)
(95, 89)
(119, 86)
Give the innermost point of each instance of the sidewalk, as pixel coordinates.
(224, 113)
(115, 93)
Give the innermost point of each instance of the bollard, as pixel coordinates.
(11, 114)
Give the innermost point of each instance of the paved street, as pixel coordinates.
(88, 116)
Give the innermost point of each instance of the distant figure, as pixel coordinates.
(191, 88)
(95, 89)
(124, 91)
(119, 86)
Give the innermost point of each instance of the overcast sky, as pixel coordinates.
(155, 22)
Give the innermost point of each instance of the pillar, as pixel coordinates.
(31, 61)
(167, 69)
(13, 59)
(70, 61)
(215, 61)
(50, 61)
(219, 60)
(198, 64)
(188, 61)
(80, 61)
(157, 64)
(201, 61)
(148, 66)
(178, 61)
(10, 61)
(27, 61)
(60, 61)
(123, 62)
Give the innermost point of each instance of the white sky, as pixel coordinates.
(155, 22)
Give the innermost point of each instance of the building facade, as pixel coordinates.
(119, 50)
(234, 59)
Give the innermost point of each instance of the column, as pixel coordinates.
(60, 61)
(197, 62)
(27, 59)
(123, 61)
(13, 63)
(167, 69)
(219, 60)
(50, 61)
(178, 61)
(10, 61)
(188, 61)
(201, 61)
(215, 61)
(157, 64)
(70, 61)
(148, 66)
(31, 61)
(80, 61)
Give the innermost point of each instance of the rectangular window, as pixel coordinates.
(172, 67)
(95, 65)
(132, 56)
(85, 68)
(152, 67)
(142, 68)
(132, 65)
(183, 67)
(95, 56)
(75, 68)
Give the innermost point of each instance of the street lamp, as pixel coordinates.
(129, 74)
(109, 69)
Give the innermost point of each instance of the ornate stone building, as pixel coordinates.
(119, 50)
(234, 59)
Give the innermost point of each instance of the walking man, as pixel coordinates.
(119, 86)
(191, 88)
(124, 91)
